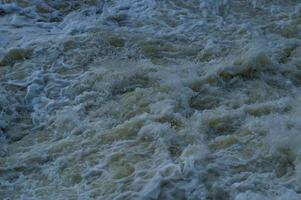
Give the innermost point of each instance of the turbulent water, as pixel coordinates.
(150, 99)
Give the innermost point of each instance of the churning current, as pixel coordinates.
(150, 99)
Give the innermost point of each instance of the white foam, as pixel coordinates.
(150, 99)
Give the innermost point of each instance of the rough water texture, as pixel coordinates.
(150, 99)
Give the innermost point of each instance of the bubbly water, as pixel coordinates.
(150, 99)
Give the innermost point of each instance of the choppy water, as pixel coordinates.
(150, 99)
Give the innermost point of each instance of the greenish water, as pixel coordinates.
(150, 100)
